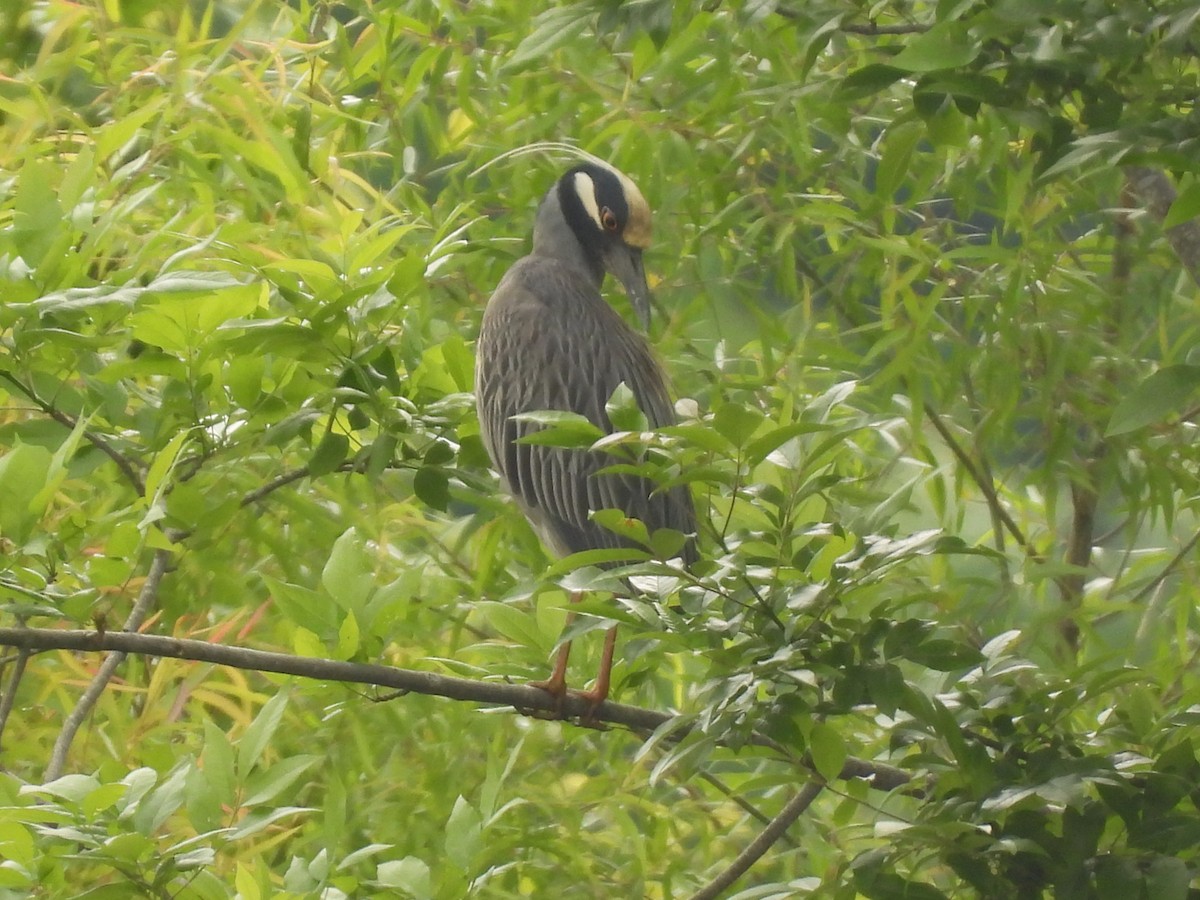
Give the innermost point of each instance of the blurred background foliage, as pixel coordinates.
(936, 322)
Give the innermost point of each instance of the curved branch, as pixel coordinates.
(522, 697)
(761, 844)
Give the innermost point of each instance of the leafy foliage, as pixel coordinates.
(937, 371)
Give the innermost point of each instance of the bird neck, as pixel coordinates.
(554, 237)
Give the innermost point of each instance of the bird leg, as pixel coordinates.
(556, 684)
(599, 693)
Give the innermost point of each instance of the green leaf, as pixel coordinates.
(410, 875)
(464, 831)
(1168, 391)
(218, 763)
(439, 453)
(761, 447)
(894, 165)
(264, 787)
(560, 429)
(702, 435)
(945, 46)
(184, 309)
(162, 802)
(74, 788)
(828, 751)
(599, 557)
(1168, 879)
(256, 823)
(349, 574)
(330, 453)
(737, 422)
(245, 884)
(254, 741)
(120, 130)
(205, 811)
(667, 543)
(617, 522)
(164, 462)
(23, 474)
(518, 625)
(554, 28)
(37, 215)
(866, 81)
(307, 608)
(623, 411)
(459, 362)
(432, 486)
(348, 638)
(1185, 207)
(943, 655)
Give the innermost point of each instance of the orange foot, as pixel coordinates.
(556, 687)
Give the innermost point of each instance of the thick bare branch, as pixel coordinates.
(1156, 193)
(522, 697)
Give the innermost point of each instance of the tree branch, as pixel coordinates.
(761, 844)
(146, 600)
(128, 469)
(522, 697)
(275, 484)
(10, 689)
(984, 484)
(1184, 552)
(1156, 193)
(870, 29)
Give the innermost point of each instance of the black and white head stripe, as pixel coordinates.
(609, 201)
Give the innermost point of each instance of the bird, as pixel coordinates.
(549, 341)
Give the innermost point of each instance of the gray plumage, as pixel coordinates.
(549, 341)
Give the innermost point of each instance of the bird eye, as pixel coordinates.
(608, 220)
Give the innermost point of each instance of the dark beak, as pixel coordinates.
(625, 263)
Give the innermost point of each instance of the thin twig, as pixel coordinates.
(761, 844)
(1167, 570)
(985, 468)
(299, 473)
(522, 697)
(275, 484)
(126, 465)
(10, 690)
(147, 599)
(983, 483)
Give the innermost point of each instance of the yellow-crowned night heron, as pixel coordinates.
(549, 341)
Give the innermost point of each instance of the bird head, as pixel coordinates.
(610, 219)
